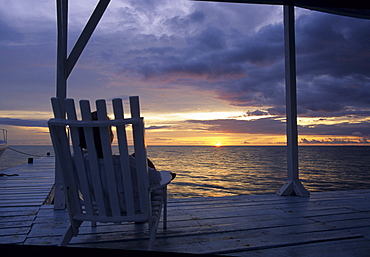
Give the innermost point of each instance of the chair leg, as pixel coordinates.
(153, 223)
(70, 232)
(165, 207)
(153, 227)
(67, 237)
(151, 241)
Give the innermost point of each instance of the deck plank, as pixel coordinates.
(335, 223)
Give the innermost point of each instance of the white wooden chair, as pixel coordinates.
(115, 195)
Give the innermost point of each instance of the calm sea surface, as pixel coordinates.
(223, 171)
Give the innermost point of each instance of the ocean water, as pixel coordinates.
(235, 170)
(16, 155)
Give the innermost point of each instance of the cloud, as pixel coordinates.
(234, 53)
(257, 113)
(181, 22)
(340, 129)
(157, 127)
(334, 141)
(274, 126)
(247, 68)
(8, 34)
(332, 61)
(258, 126)
(23, 123)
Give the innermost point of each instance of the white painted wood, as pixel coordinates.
(86, 34)
(140, 152)
(79, 160)
(59, 199)
(92, 159)
(108, 159)
(124, 155)
(293, 186)
(61, 88)
(62, 25)
(65, 65)
(91, 180)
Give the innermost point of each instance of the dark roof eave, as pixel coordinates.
(353, 8)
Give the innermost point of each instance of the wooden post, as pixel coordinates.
(61, 90)
(62, 23)
(293, 186)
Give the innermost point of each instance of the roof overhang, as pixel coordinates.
(354, 8)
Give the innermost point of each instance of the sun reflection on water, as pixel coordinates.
(224, 171)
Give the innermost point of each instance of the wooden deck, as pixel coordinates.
(333, 223)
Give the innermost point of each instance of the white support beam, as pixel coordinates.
(86, 34)
(62, 24)
(293, 186)
(61, 90)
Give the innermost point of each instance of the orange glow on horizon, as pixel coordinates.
(218, 144)
(180, 136)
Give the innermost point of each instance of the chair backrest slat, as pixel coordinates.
(140, 152)
(92, 158)
(79, 158)
(108, 158)
(61, 145)
(124, 156)
(102, 186)
(134, 106)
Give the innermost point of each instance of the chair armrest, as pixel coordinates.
(166, 179)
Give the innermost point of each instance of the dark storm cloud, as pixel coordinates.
(241, 57)
(203, 54)
(246, 68)
(333, 63)
(233, 51)
(342, 129)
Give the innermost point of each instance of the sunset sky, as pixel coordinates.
(206, 73)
